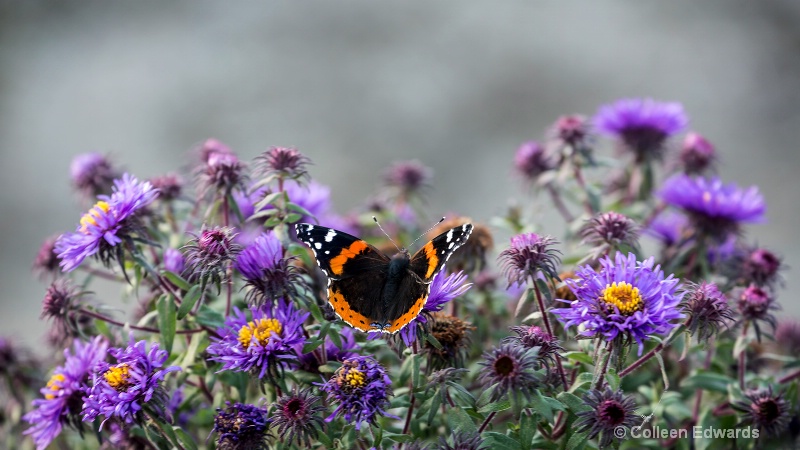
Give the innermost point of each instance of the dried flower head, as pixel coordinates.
(408, 177)
(241, 427)
(93, 174)
(708, 310)
(642, 125)
(452, 334)
(610, 230)
(509, 369)
(361, 389)
(625, 298)
(528, 255)
(443, 289)
(284, 162)
(532, 160)
(65, 393)
(715, 209)
(267, 272)
(607, 411)
(120, 390)
(296, 415)
(264, 345)
(170, 186)
(111, 221)
(764, 410)
(46, 262)
(697, 154)
(208, 253)
(563, 291)
(530, 337)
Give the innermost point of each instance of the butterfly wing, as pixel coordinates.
(414, 288)
(356, 273)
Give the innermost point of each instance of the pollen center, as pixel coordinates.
(260, 330)
(90, 218)
(117, 377)
(624, 296)
(54, 385)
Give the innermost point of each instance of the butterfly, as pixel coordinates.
(371, 291)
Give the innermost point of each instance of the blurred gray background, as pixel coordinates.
(356, 85)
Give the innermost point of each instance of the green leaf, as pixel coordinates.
(459, 420)
(436, 402)
(709, 381)
(613, 379)
(186, 441)
(544, 289)
(433, 341)
(176, 279)
(581, 357)
(573, 402)
(268, 200)
(189, 300)
(501, 441)
(577, 441)
(495, 407)
(527, 430)
(292, 218)
(583, 378)
(416, 373)
(541, 406)
(312, 345)
(299, 209)
(210, 318)
(167, 321)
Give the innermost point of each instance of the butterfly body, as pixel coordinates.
(371, 291)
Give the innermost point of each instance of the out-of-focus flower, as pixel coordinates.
(532, 160)
(65, 393)
(170, 186)
(408, 177)
(573, 131)
(715, 209)
(269, 275)
(697, 154)
(313, 197)
(668, 227)
(122, 389)
(208, 253)
(607, 411)
(760, 266)
(93, 174)
(764, 410)
(263, 345)
(625, 298)
(111, 221)
(528, 255)
(547, 345)
(221, 171)
(443, 289)
(241, 427)
(509, 369)
(471, 256)
(46, 262)
(643, 125)
(284, 162)
(708, 310)
(60, 304)
(756, 304)
(610, 230)
(296, 415)
(361, 389)
(173, 261)
(210, 147)
(787, 336)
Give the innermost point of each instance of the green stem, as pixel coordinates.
(636, 364)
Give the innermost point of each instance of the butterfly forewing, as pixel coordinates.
(336, 251)
(431, 257)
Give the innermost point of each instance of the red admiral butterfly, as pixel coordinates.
(367, 289)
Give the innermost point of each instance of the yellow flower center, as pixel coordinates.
(260, 330)
(54, 385)
(624, 296)
(350, 378)
(90, 218)
(117, 377)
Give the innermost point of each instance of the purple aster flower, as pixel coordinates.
(241, 426)
(61, 304)
(173, 261)
(268, 273)
(443, 289)
(170, 186)
(222, 171)
(716, 209)
(263, 345)
(528, 255)
(207, 255)
(609, 230)
(547, 345)
(625, 298)
(93, 174)
(349, 348)
(697, 154)
(122, 389)
(110, 221)
(756, 304)
(764, 410)
(46, 262)
(760, 266)
(509, 369)
(608, 410)
(708, 310)
(532, 160)
(573, 131)
(643, 125)
(284, 162)
(408, 177)
(65, 392)
(210, 147)
(296, 415)
(787, 336)
(313, 197)
(361, 389)
(668, 227)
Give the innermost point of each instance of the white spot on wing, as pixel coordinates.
(327, 252)
(318, 245)
(330, 235)
(450, 235)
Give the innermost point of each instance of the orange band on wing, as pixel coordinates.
(342, 309)
(337, 263)
(433, 259)
(412, 313)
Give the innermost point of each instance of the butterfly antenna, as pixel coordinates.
(429, 230)
(387, 234)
